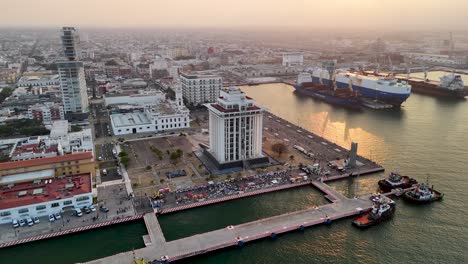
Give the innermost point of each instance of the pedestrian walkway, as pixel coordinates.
(237, 235)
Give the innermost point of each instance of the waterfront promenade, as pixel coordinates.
(158, 247)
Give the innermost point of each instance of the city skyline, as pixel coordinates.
(344, 14)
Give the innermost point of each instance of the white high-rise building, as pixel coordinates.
(71, 73)
(293, 59)
(199, 88)
(236, 124)
(73, 86)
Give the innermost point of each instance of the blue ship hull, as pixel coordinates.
(352, 103)
(391, 98)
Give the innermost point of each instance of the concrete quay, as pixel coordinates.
(157, 246)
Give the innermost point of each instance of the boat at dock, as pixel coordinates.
(423, 194)
(450, 85)
(388, 89)
(382, 209)
(342, 97)
(395, 180)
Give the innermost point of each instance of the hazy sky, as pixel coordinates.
(372, 14)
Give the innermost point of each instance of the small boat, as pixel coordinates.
(423, 194)
(395, 180)
(398, 192)
(382, 209)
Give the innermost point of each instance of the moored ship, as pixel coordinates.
(395, 180)
(450, 85)
(423, 194)
(342, 97)
(382, 209)
(386, 89)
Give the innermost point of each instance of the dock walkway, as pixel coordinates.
(230, 236)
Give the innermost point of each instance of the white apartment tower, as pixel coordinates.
(236, 124)
(71, 74)
(200, 88)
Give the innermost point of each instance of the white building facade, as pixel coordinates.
(236, 124)
(73, 87)
(293, 59)
(46, 112)
(198, 89)
(158, 115)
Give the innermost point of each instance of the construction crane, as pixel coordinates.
(452, 45)
(391, 64)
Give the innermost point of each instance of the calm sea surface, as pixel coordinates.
(426, 137)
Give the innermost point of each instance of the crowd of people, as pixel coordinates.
(213, 190)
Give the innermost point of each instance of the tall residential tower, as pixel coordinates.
(71, 72)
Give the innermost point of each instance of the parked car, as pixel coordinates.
(51, 218)
(21, 222)
(36, 220)
(77, 212)
(103, 209)
(30, 221)
(15, 223)
(92, 208)
(86, 210)
(57, 216)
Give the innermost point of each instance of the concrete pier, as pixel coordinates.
(341, 207)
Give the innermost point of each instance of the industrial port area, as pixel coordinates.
(247, 145)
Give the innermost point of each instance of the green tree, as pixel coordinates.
(279, 148)
(76, 128)
(125, 160)
(123, 154)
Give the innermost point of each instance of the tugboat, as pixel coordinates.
(381, 211)
(394, 181)
(423, 195)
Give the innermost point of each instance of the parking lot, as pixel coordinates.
(67, 221)
(115, 198)
(107, 162)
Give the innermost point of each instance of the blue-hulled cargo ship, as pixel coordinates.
(385, 89)
(341, 97)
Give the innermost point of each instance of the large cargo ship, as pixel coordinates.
(342, 97)
(386, 89)
(450, 85)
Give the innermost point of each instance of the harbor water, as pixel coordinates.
(426, 138)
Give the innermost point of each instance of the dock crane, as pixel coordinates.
(452, 46)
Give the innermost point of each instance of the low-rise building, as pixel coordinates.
(40, 193)
(152, 114)
(38, 80)
(293, 59)
(68, 164)
(8, 75)
(199, 87)
(46, 112)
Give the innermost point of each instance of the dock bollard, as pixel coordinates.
(273, 235)
(301, 228)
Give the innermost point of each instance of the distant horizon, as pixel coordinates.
(346, 15)
(291, 29)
